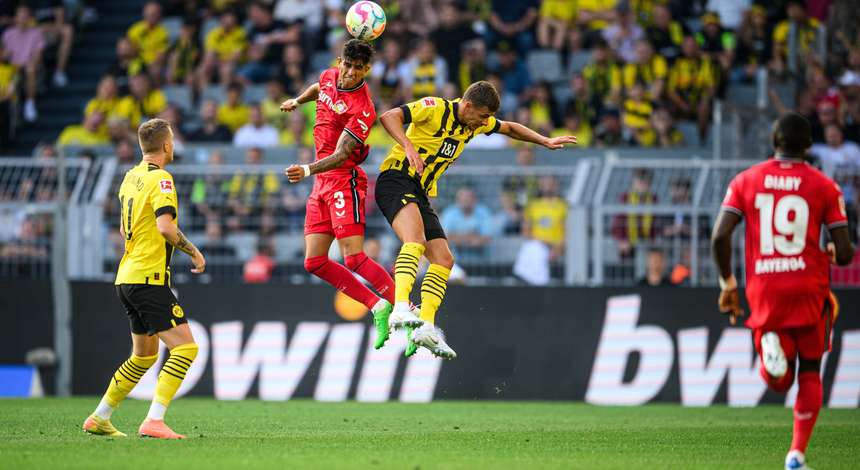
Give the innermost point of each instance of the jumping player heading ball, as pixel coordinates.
(335, 208)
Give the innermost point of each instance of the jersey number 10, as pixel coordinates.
(791, 234)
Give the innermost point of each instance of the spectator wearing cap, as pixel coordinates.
(24, 43)
(224, 49)
(602, 77)
(90, 132)
(233, 113)
(425, 73)
(512, 22)
(554, 19)
(210, 129)
(256, 133)
(649, 70)
(755, 45)
(716, 42)
(666, 34)
(692, 85)
(183, 55)
(623, 34)
(142, 102)
(150, 38)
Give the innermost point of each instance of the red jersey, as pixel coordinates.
(340, 110)
(785, 203)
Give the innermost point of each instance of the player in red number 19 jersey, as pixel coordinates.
(335, 208)
(785, 202)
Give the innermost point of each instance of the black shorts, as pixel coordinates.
(394, 190)
(150, 309)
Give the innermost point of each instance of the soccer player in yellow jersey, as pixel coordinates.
(438, 131)
(148, 223)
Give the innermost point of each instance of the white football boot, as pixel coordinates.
(773, 356)
(403, 317)
(432, 338)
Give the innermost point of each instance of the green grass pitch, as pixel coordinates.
(45, 434)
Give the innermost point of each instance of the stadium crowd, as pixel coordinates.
(638, 73)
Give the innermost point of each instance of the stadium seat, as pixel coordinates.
(255, 93)
(214, 92)
(288, 247)
(320, 61)
(244, 243)
(544, 65)
(690, 130)
(742, 95)
(179, 95)
(504, 249)
(577, 61)
(173, 24)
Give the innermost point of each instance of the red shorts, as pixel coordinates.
(336, 205)
(809, 342)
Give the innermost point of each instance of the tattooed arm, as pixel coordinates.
(175, 237)
(345, 146)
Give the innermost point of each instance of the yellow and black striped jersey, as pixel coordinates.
(437, 135)
(146, 192)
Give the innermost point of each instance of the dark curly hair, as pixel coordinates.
(357, 50)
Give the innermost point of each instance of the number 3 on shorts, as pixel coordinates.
(338, 200)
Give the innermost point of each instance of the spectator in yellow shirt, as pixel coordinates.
(649, 69)
(575, 125)
(554, 19)
(143, 102)
(271, 105)
(8, 82)
(807, 31)
(233, 113)
(665, 133)
(223, 50)
(595, 15)
(544, 216)
(106, 99)
(90, 132)
(692, 83)
(602, 77)
(296, 131)
(636, 117)
(150, 38)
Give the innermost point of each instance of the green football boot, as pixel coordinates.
(381, 312)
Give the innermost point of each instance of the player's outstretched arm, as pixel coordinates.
(175, 237)
(721, 247)
(518, 131)
(393, 121)
(346, 144)
(842, 250)
(310, 94)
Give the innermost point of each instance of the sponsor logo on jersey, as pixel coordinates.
(364, 127)
(779, 265)
(178, 312)
(166, 186)
(340, 214)
(429, 102)
(338, 107)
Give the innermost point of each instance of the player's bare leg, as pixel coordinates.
(352, 249)
(432, 292)
(143, 356)
(409, 227)
(183, 351)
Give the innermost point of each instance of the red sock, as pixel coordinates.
(374, 273)
(341, 279)
(806, 408)
(781, 384)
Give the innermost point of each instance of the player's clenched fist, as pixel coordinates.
(730, 300)
(289, 105)
(296, 173)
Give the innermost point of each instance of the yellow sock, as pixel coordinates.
(405, 270)
(433, 291)
(126, 377)
(173, 372)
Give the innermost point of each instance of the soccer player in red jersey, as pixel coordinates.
(335, 208)
(785, 202)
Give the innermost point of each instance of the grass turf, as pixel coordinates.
(305, 434)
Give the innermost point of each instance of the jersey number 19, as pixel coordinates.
(791, 233)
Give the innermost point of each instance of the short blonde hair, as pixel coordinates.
(152, 135)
